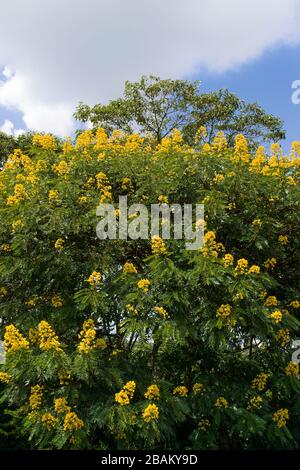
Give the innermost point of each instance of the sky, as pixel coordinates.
(55, 53)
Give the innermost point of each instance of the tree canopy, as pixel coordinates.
(159, 106)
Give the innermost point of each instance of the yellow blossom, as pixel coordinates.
(224, 311)
(13, 339)
(228, 259)
(276, 316)
(163, 199)
(260, 381)
(271, 301)
(61, 405)
(94, 279)
(204, 424)
(152, 392)
(221, 402)
(241, 265)
(150, 413)
(162, 312)
(144, 284)
(255, 403)
(158, 246)
(129, 268)
(46, 141)
(5, 377)
(270, 263)
(181, 391)
(280, 417)
(35, 397)
(47, 337)
(295, 304)
(257, 223)
(48, 420)
(218, 178)
(283, 336)
(198, 388)
(3, 292)
(129, 388)
(53, 196)
(254, 269)
(283, 239)
(57, 301)
(59, 244)
(87, 337)
(122, 398)
(61, 168)
(292, 369)
(72, 422)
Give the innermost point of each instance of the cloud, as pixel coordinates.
(63, 51)
(9, 128)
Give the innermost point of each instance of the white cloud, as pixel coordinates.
(9, 128)
(64, 51)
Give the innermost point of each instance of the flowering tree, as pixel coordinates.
(143, 343)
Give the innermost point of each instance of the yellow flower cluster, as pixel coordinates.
(20, 194)
(221, 402)
(35, 397)
(59, 244)
(72, 422)
(260, 381)
(255, 403)
(158, 246)
(46, 141)
(241, 266)
(129, 268)
(162, 312)
(181, 391)
(254, 269)
(280, 417)
(271, 301)
(283, 336)
(204, 424)
(198, 388)
(47, 337)
(219, 143)
(152, 392)
(150, 413)
(4, 377)
(218, 178)
(276, 316)
(211, 247)
(131, 309)
(14, 340)
(270, 263)
(61, 168)
(295, 304)
(257, 223)
(3, 292)
(57, 301)
(61, 405)
(127, 184)
(228, 260)
(94, 279)
(104, 186)
(16, 225)
(144, 284)
(85, 139)
(292, 369)
(126, 394)
(87, 336)
(224, 311)
(283, 239)
(53, 196)
(48, 420)
(163, 199)
(241, 151)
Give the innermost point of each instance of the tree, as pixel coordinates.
(160, 106)
(134, 344)
(9, 143)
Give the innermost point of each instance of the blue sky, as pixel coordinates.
(59, 52)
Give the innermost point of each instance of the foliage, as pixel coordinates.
(158, 107)
(198, 357)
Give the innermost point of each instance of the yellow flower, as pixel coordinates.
(227, 259)
(260, 381)
(224, 311)
(270, 263)
(131, 309)
(204, 424)
(59, 244)
(158, 246)
(67, 146)
(218, 178)
(283, 239)
(31, 302)
(83, 199)
(129, 268)
(17, 224)
(254, 269)
(257, 223)
(241, 265)
(198, 388)
(47, 337)
(221, 402)
(3, 292)
(129, 388)
(271, 301)
(61, 405)
(162, 312)
(295, 304)
(5, 377)
(283, 336)
(72, 422)
(85, 139)
(280, 417)
(144, 284)
(48, 420)
(255, 403)
(152, 392)
(57, 301)
(53, 195)
(150, 413)
(61, 168)
(46, 141)
(94, 279)
(163, 199)
(292, 369)
(13, 339)
(6, 247)
(181, 391)
(276, 316)
(122, 398)
(35, 397)
(87, 336)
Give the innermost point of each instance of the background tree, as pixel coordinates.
(158, 106)
(9, 143)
